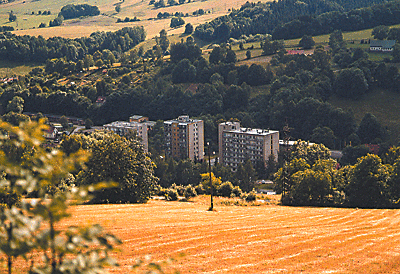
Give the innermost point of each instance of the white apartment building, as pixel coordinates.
(184, 138)
(237, 145)
(122, 128)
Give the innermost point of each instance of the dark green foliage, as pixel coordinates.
(12, 17)
(292, 19)
(370, 130)
(368, 185)
(225, 189)
(184, 72)
(176, 22)
(189, 28)
(189, 192)
(380, 32)
(307, 42)
(185, 50)
(121, 160)
(14, 47)
(352, 153)
(75, 11)
(171, 194)
(351, 83)
(248, 54)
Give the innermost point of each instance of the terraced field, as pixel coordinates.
(252, 239)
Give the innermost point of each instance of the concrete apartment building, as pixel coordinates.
(122, 128)
(184, 138)
(237, 145)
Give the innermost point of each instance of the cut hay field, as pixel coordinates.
(251, 239)
(27, 22)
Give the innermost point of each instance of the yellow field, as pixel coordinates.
(252, 239)
(27, 23)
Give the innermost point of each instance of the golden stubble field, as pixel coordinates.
(251, 239)
(27, 23)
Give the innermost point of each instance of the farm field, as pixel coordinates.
(251, 239)
(27, 23)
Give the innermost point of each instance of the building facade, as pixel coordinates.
(237, 145)
(184, 138)
(123, 128)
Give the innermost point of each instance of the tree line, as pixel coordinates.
(29, 48)
(292, 19)
(310, 177)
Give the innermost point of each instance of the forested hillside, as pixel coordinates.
(292, 18)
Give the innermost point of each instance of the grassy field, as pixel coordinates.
(251, 239)
(381, 103)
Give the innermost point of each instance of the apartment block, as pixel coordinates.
(184, 138)
(122, 128)
(237, 145)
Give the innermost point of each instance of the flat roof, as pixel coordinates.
(253, 131)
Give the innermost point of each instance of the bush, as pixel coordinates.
(199, 189)
(189, 192)
(225, 189)
(171, 194)
(250, 197)
(236, 191)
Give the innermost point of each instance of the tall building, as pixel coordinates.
(237, 145)
(184, 138)
(122, 128)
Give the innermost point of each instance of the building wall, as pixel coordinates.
(123, 128)
(239, 145)
(184, 138)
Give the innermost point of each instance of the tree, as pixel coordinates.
(324, 135)
(16, 105)
(118, 8)
(32, 226)
(230, 56)
(396, 53)
(248, 54)
(216, 182)
(336, 41)
(189, 28)
(64, 122)
(370, 130)
(380, 32)
(368, 183)
(176, 22)
(352, 153)
(121, 160)
(12, 17)
(163, 41)
(351, 83)
(184, 72)
(88, 61)
(217, 55)
(307, 42)
(310, 153)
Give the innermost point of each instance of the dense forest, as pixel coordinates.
(292, 19)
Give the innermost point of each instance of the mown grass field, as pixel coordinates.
(251, 239)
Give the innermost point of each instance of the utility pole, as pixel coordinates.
(211, 185)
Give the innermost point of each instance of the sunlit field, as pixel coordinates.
(251, 239)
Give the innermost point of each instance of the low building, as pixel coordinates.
(123, 128)
(381, 45)
(237, 145)
(184, 138)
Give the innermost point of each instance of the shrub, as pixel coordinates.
(236, 191)
(189, 192)
(250, 197)
(171, 194)
(199, 189)
(225, 189)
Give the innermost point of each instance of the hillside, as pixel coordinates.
(27, 22)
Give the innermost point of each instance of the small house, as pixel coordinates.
(381, 45)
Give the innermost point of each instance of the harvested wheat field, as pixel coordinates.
(252, 239)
